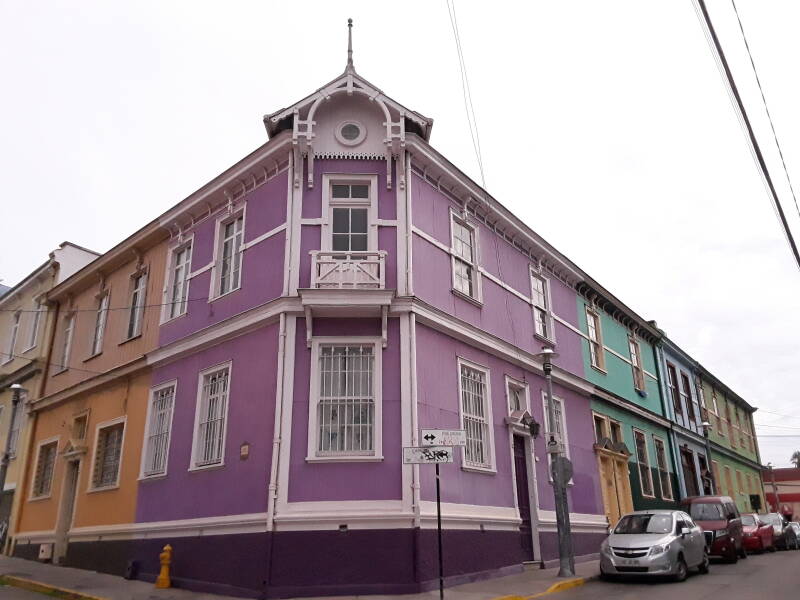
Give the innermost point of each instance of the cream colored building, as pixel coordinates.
(26, 329)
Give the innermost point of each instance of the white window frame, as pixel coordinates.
(143, 474)
(593, 318)
(656, 441)
(36, 316)
(96, 443)
(193, 466)
(564, 431)
(16, 318)
(464, 221)
(512, 382)
(100, 321)
(66, 342)
(216, 268)
(170, 280)
(635, 351)
(550, 334)
(490, 465)
(136, 310)
(329, 203)
(16, 424)
(312, 454)
(607, 422)
(57, 440)
(638, 464)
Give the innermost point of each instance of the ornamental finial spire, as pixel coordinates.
(350, 45)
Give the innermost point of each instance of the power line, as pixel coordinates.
(94, 310)
(466, 91)
(700, 6)
(766, 108)
(778, 414)
(779, 435)
(48, 364)
(777, 426)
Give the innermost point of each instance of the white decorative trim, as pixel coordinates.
(470, 516)
(201, 270)
(262, 237)
(580, 522)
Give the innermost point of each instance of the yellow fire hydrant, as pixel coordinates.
(163, 580)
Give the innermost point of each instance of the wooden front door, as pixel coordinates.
(523, 497)
(615, 485)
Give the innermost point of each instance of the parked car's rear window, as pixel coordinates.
(748, 520)
(706, 511)
(644, 524)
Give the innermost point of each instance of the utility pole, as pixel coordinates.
(15, 399)
(706, 428)
(566, 560)
(774, 489)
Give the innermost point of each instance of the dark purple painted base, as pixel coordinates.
(319, 563)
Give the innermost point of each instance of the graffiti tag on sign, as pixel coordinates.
(427, 455)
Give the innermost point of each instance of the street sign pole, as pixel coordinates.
(439, 534)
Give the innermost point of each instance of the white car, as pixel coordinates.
(653, 543)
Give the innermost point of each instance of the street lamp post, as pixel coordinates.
(566, 566)
(15, 400)
(706, 428)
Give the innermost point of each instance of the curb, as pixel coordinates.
(559, 586)
(45, 588)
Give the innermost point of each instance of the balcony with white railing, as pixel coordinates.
(331, 270)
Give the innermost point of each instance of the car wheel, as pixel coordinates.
(681, 570)
(703, 568)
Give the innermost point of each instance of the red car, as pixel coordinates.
(720, 520)
(756, 534)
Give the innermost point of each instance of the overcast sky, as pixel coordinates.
(604, 125)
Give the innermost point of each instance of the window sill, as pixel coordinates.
(105, 488)
(220, 296)
(173, 319)
(7, 360)
(467, 297)
(91, 356)
(39, 498)
(130, 339)
(154, 477)
(344, 458)
(475, 469)
(599, 369)
(28, 349)
(546, 340)
(195, 468)
(60, 371)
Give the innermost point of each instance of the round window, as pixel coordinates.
(350, 133)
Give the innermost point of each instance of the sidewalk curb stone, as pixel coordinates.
(46, 588)
(559, 586)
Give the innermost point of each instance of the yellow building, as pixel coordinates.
(26, 324)
(88, 422)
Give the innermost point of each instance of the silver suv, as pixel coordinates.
(654, 542)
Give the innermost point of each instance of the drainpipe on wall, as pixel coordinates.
(415, 487)
(409, 233)
(276, 437)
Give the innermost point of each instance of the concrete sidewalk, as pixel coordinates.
(89, 585)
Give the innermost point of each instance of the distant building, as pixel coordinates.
(787, 485)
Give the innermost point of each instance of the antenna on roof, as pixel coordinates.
(350, 45)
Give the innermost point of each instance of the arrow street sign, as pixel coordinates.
(427, 455)
(444, 437)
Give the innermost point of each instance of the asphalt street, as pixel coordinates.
(773, 575)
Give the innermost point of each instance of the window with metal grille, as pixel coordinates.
(596, 354)
(45, 465)
(464, 263)
(108, 455)
(100, 324)
(16, 424)
(643, 462)
(542, 319)
(663, 469)
(474, 416)
(138, 292)
(12, 339)
(179, 281)
(346, 406)
(66, 343)
(230, 255)
(210, 437)
(158, 430)
(636, 363)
